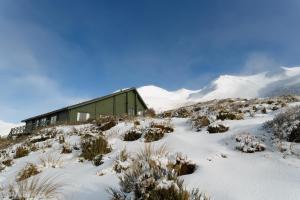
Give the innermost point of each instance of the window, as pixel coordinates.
(82, 117)
(130, 111)
(37, 123)
(43, 122)
(53, 120)
(140, 113)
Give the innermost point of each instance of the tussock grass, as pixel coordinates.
(94, 146)
(51, 160)
(21, 151)
(29, 170)
(36, 188)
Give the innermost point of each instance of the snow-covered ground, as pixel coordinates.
(222, 171)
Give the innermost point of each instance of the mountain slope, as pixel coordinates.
(5, 127)
(272, 83)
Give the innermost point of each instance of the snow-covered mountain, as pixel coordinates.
(272, 83)
(5, 127)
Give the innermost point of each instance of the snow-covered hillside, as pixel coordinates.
(273, 83)
(222, 171)
(161, 99)
(5, 127)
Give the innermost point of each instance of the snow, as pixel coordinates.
(226, 86)
(6, 126)
(161, 99)
(222, 172)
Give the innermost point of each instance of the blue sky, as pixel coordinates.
(57, 52)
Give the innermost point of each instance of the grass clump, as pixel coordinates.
(66, 148)
(286, 125)
(21, 151)
(36, 188)
(153, 134)
(28, 171)
(94, 146)
(51, 160)
(226, 115)
(149, 178)
(7, 162)
(132, 135)
(217, 128)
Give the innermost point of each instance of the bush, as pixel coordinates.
(29, 170)
(286, 125)
(150, 113)
(182, 166)
(92, 147)
(199, 122)
(7, 162)
(132, 135)
(153, 134)
(181, 113)
(165, 127)
(136, 123)
(249, 144)
(223, 115)
(98, 160)
(21, 152)
(217, 128)
(66, 149)
(51, 160)
(149, 178)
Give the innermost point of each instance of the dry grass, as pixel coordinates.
(29, 170)
(132, 135)
(7, 162)
(36, 188)
(51, 160)
(21, 151)
(92, 147)
(150, 150)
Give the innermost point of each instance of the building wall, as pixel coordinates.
(121, 104)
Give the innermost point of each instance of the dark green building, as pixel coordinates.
(125, 102)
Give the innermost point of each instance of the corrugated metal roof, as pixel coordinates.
(87, 102)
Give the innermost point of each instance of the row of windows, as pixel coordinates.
(81, 117)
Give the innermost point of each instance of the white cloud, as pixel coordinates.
(258, 62)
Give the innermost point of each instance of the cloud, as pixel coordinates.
(27, 53)
(259, 62)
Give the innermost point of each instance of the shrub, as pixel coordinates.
(217, 128)
(29, 170)
(21, 152)
(35, 188)
(181, 113)
(149, 178)
(150, 113)
(199, 122)
(249, 144)
(92, 147)
(97, 160)
(51, 160)
(66, 149)
(108, 125)
(264, 110)
(286, 125)
(223, 115)
(136, 123)
(61, 139)
(165, 127)
(7, 162)
(182, 166)
(153, 134)
(132, 135)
